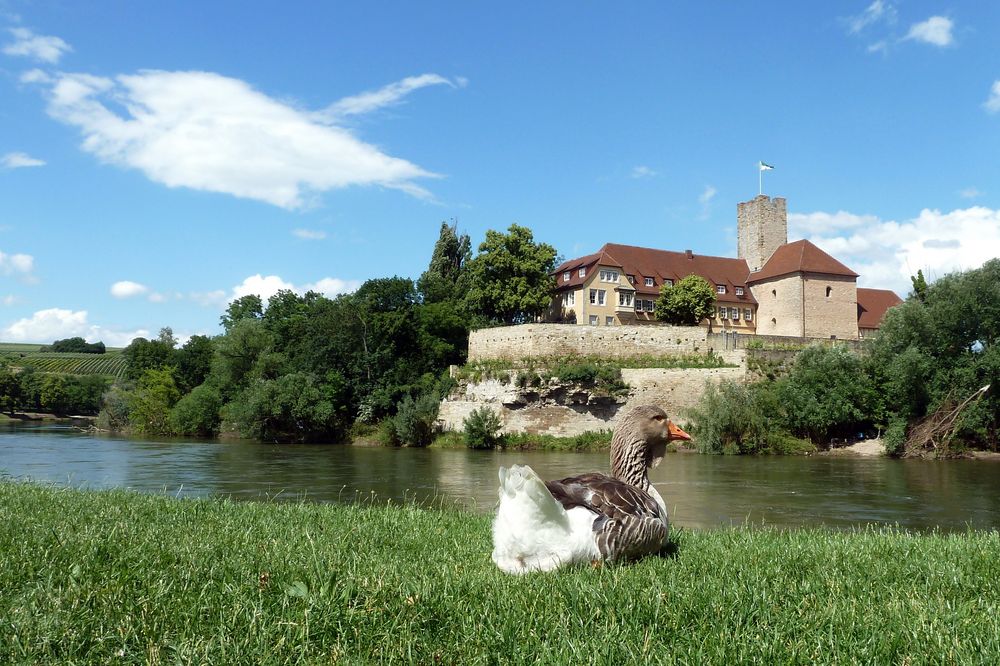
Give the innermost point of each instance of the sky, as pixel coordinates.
(158, 160)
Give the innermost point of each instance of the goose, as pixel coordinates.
(592, 517)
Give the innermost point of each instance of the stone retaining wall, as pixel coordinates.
(550, 340)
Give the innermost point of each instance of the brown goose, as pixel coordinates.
(541, 526)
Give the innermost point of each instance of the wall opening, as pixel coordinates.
(829, 290)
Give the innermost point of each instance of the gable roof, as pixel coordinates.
(873, 304)
(800, 257)
(660, 265)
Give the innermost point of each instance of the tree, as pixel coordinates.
(77, 345)
(685, 303)
(142, 355)
(149, 405)
(194, 361)
(510, 280)
(919, 286)
(444, 279)
(10, 389)
(245, 307)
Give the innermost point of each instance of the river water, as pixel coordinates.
(700, 491)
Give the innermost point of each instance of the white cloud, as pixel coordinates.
(35, 76)
(887, 253)
(210, 132)
(642, 171)
(705, 199)
(992, 103)
(268, 286)
(20, 160)
(330, 287)
(209, 298)
(388, 95)
(128, 289)
(970, 193)
(875, 12)
(707, 195)
(38, 47)
(810, 224)
(56, 323)
(309, 234)
(16, 264)
(936, 30)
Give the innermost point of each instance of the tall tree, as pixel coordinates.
(685, 303)
(444, 279)
(244, 307)
(510, 280)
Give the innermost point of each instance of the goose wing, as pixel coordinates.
(627, 522)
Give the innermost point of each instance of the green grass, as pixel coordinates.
(116, 577)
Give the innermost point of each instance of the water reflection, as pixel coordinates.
(700, 491)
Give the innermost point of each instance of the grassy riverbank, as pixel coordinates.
(103, 577)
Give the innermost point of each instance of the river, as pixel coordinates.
(700, 491)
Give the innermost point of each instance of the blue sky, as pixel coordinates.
(159, 159)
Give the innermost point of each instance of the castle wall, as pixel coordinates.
(550, 340)
(831, 306)
(780, 306)
(761, 227)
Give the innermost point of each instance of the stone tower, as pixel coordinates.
(761, 227)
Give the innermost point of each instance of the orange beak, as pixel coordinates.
(675, 432)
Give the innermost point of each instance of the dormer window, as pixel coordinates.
(583, 272)
(739, 291)
(566, 276)
(720, 288)
(649, 282)
(631, 279)
(668, 282)
(609, 276)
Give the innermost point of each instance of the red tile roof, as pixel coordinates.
(800, 257)
(642, 263)
(873, 304)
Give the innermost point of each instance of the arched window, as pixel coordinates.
(774, 292)
(829, 290)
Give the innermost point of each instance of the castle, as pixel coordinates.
(772, 287)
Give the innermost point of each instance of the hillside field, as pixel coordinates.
(109, 364)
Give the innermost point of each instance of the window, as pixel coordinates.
(723, 313)
(597, 296)
(593, 296)
(609, 321)
(569, 298)
(739, 291)
(668, 282)
(720, 288)
(566, 276)
(609, 276)
(748, 314)
(648, 306)
(774, 292)
(631, 279)
(829, 290)
(625, 298)
(734, 314)
(593, 320)
(649, 282)
(583, 272)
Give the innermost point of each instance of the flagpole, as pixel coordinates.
(760, 181)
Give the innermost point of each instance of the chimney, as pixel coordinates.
(689, 253)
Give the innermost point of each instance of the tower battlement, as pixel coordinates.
(761, 228)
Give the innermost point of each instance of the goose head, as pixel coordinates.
(640, 442)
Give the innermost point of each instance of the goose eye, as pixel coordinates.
(657, 418)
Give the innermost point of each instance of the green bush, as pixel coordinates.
(114, 409)
(414, 420)
(733, 417)
(197, 413)
(894, 439)
(482, 429)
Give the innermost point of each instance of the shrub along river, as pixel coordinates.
(701, 491)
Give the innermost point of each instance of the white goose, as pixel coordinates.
(541, 526)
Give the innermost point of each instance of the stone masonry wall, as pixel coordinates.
(761, 227)
(549, 340)
(575, 411)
